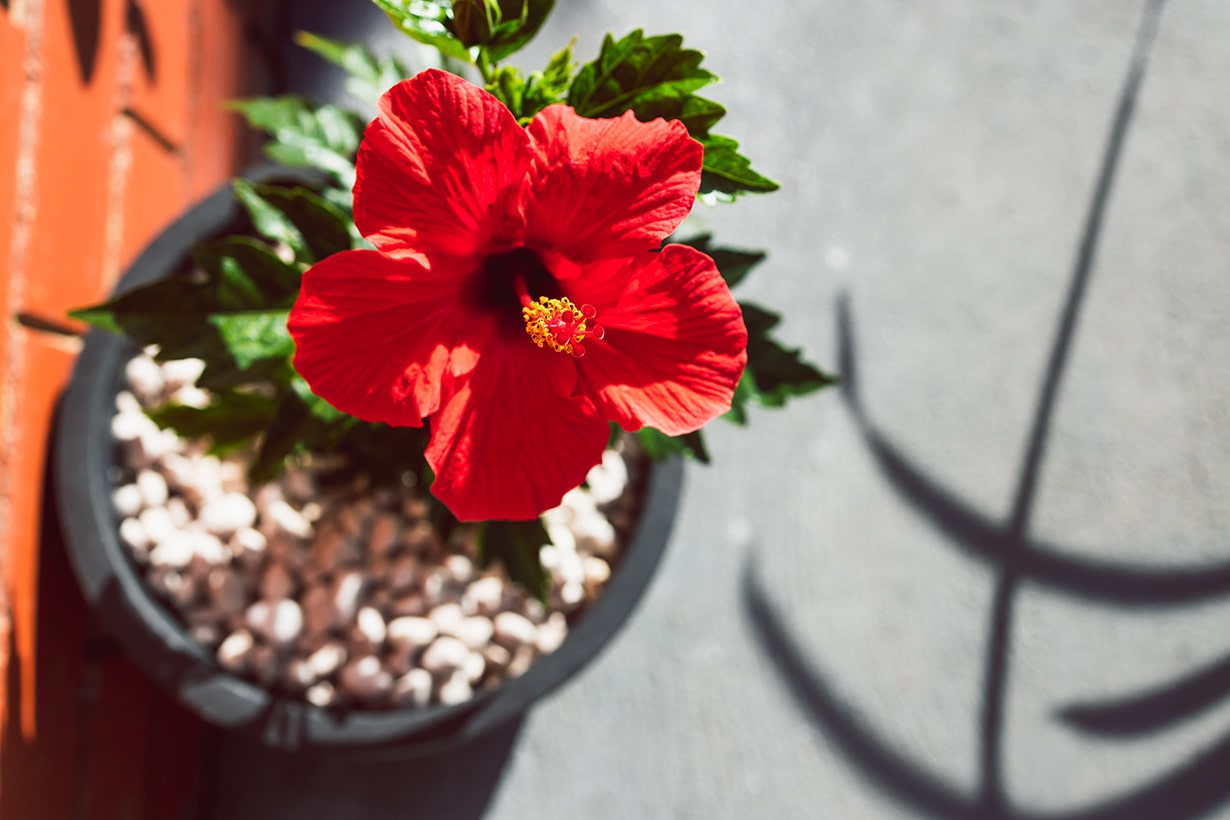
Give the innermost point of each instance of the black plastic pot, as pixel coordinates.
(157, 641)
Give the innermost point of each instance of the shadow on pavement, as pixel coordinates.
(1190, 789)
(258, 782)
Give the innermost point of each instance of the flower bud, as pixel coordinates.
(474, 20)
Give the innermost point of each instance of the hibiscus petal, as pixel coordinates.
(373, 335)
(440, 169)
(608, 188)
(510, 439)
(675, 343)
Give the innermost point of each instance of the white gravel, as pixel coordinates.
(337, 595)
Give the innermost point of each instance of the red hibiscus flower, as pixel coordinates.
(516, 297)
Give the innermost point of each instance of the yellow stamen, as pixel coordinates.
(559, 324)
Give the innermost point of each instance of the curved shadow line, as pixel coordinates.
(1191, 789)
(902, 779)
(991, 542)
(1155, 709)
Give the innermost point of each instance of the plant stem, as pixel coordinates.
(485, 66)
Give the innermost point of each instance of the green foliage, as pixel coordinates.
(429, 22)
(311, 226)
(650, 76)
(658, 77)
(229, 422)
(515, 24)
(255, 339)
(276, 281)
(474, 20)
(305, 135)
(230, 309)
(526, 96)
(727, 173)
(516, 544)
(368, 77)
(175, 313)
(774, 372)
(659, 445)
(468, 29)
(290, 426)
(733, 264)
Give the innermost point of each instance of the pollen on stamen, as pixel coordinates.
(560, 325)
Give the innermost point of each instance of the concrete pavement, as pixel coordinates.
(884, 613)
(989, 576)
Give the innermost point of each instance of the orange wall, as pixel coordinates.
(110, 124)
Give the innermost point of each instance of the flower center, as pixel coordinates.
(504, 282)
(560, 325)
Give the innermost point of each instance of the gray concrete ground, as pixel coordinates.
(990, 577)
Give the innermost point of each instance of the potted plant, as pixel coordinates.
(384, 442)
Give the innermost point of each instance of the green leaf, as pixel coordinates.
(325, 227)
(386, 453)
(427, 21)
(519, 21)
(269, 220)
(744, 392)
(311, 226)
(275, 115)
(516, 544)
(150, 312)
(250, 267)
(774, 372)
(293, 119)
(369, 76)
(548, 86)
(282, 437)
(343, 200)
(658, 77)
(697, 113)
(304, 422)
(524, 96)
(352, 58)
(254, 337)
(229, 422)
(170, 312)
(727, 173)
(219, 313)
(311, 155)
(508, 86)
(317, 407)
(733, 264)
(638, 74)
(497, 27)
(659, 445)
(325, 137)
(251, 348)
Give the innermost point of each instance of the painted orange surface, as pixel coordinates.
(217, 136)
(12, 80)
(73, 164)
(110, 124)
